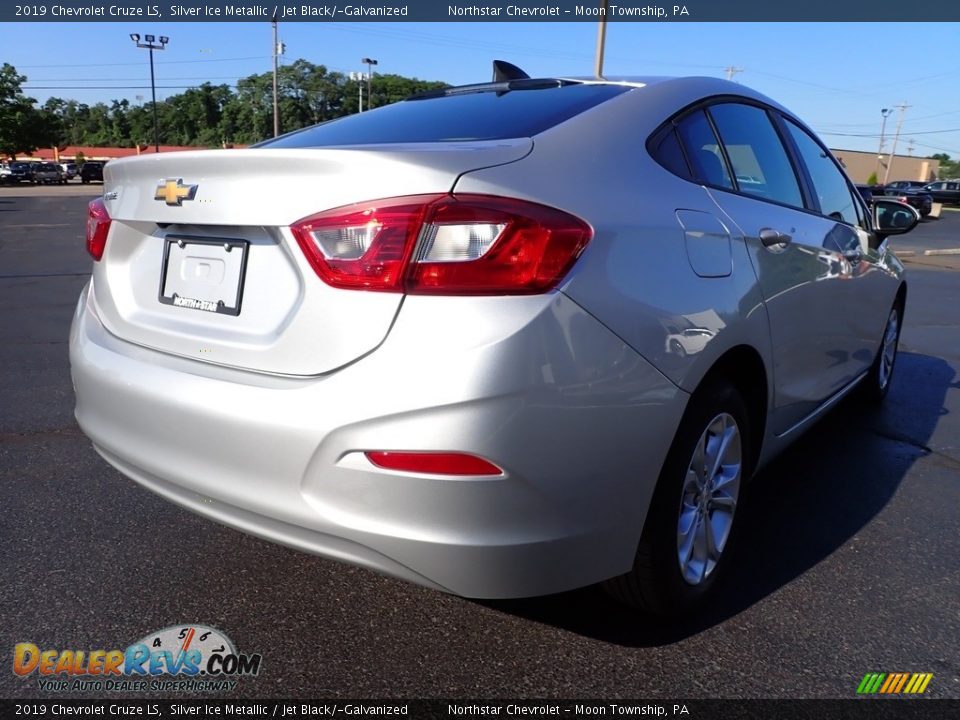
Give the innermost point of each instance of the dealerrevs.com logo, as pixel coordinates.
(186, 658)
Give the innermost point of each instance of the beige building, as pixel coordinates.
(860, 165)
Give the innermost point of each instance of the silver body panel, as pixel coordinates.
(260, 421)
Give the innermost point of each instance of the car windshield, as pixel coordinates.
(464, 116)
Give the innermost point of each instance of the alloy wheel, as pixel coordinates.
(708, 499)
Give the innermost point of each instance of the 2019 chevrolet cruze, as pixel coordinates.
(500, 340)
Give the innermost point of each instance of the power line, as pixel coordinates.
(873, 135)
(166, 62)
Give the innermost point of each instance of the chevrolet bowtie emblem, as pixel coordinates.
(174, 192)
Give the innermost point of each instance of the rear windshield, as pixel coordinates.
(455, 118)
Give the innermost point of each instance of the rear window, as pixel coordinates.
(456, 118)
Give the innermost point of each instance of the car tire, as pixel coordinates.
(876, 384)
(673, 571)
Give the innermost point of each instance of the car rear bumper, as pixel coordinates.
(579, 422)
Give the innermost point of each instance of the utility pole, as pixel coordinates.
(731, 71)
(601, 38)
(903, 109)
(883, 129)
(276, 103)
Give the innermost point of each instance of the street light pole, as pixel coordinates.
(370, 62)
(883, 127)
(150, 44)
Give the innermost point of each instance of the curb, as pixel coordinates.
(946, 251)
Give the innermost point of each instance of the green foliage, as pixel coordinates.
(204, 116)
(948, 168)
(23, 127)
(872, 180)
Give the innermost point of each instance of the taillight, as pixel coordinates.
(98, 225)
(443, 244)
(434, 463)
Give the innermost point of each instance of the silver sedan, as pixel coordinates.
(500, 340)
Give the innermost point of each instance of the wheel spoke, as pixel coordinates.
(725, 503)
(711, 541)
(699, 461)
(700, 549)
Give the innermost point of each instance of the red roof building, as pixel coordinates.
(68, 153)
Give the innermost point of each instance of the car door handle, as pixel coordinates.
(770, 237)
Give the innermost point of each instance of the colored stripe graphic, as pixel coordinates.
(894, 683)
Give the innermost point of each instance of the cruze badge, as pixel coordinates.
(174, 192)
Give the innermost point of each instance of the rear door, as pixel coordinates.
(798, 257)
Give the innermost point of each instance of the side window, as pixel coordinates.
(829, 183)
(668, 153)
(759, 159)
(703, 150)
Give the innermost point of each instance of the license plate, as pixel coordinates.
(204, 274)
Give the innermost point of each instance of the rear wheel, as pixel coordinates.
(685, 542)
(876, 384)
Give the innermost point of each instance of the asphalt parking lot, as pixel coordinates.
(848, 554)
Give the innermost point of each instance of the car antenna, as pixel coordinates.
(504, 72)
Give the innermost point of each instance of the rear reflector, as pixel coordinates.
(98, 225)
(434, 463)
(443, 244)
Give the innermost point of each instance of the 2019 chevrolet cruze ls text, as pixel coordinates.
(500, 340)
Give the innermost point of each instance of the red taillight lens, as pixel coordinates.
(434, 463)
(443, 244)
(98, 225)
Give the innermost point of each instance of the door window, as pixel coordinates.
(829, 183)
(759, 160)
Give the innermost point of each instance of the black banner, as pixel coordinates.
(481, 10)
(859, 709)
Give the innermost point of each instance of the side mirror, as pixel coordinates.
(891, 217)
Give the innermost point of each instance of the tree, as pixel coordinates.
(23, 128)
(948, 168)
(204, 116)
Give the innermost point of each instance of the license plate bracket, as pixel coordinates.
(204, 274)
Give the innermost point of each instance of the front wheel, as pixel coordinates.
(684, 547)
(876, 384)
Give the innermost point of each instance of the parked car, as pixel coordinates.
(905, 185)
(91, 171)
(917, 198)
(945, 191)
(19, 172)
(866, 193)
(48, 174)
(69, 170)
(434, 339)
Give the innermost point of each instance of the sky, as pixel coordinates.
(837, 77)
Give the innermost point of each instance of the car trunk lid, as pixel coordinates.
(200, 261)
